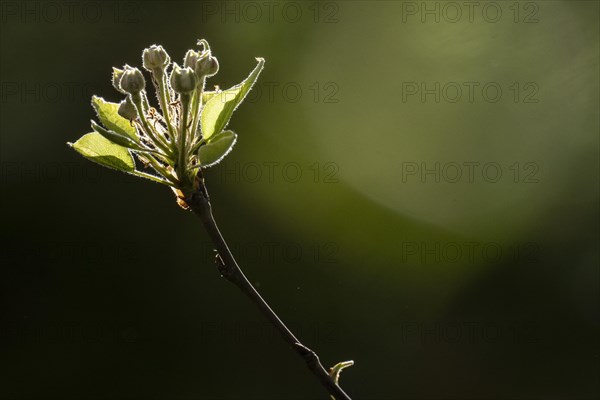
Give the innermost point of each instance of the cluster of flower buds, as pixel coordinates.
(181, 136)
(172, 135)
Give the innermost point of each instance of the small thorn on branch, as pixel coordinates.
(225, 271)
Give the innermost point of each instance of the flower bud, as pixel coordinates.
(206, 66)
(190, 59)
(183, 80)
(127, 109)
(116, 78)
(155, 57)
(132, 80)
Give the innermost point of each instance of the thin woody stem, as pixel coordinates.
(199, 203)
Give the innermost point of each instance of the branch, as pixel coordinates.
(199, 203)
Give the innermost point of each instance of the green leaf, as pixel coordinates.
(116, 138)
(217, 148)
(98, 149)
(110, 118)
(218, 110)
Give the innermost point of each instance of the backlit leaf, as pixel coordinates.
(217, 148)
(98, 149)
(110, 118)
(218, 110)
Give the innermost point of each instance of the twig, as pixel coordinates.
(199, 203)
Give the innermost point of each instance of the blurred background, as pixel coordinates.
(415, 187)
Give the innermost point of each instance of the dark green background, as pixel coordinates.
(109, 289)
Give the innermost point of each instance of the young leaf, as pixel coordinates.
(108, 115)
(217, 148)
(116, 138)
(97, 148)
(335, 371)
(220, 107)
